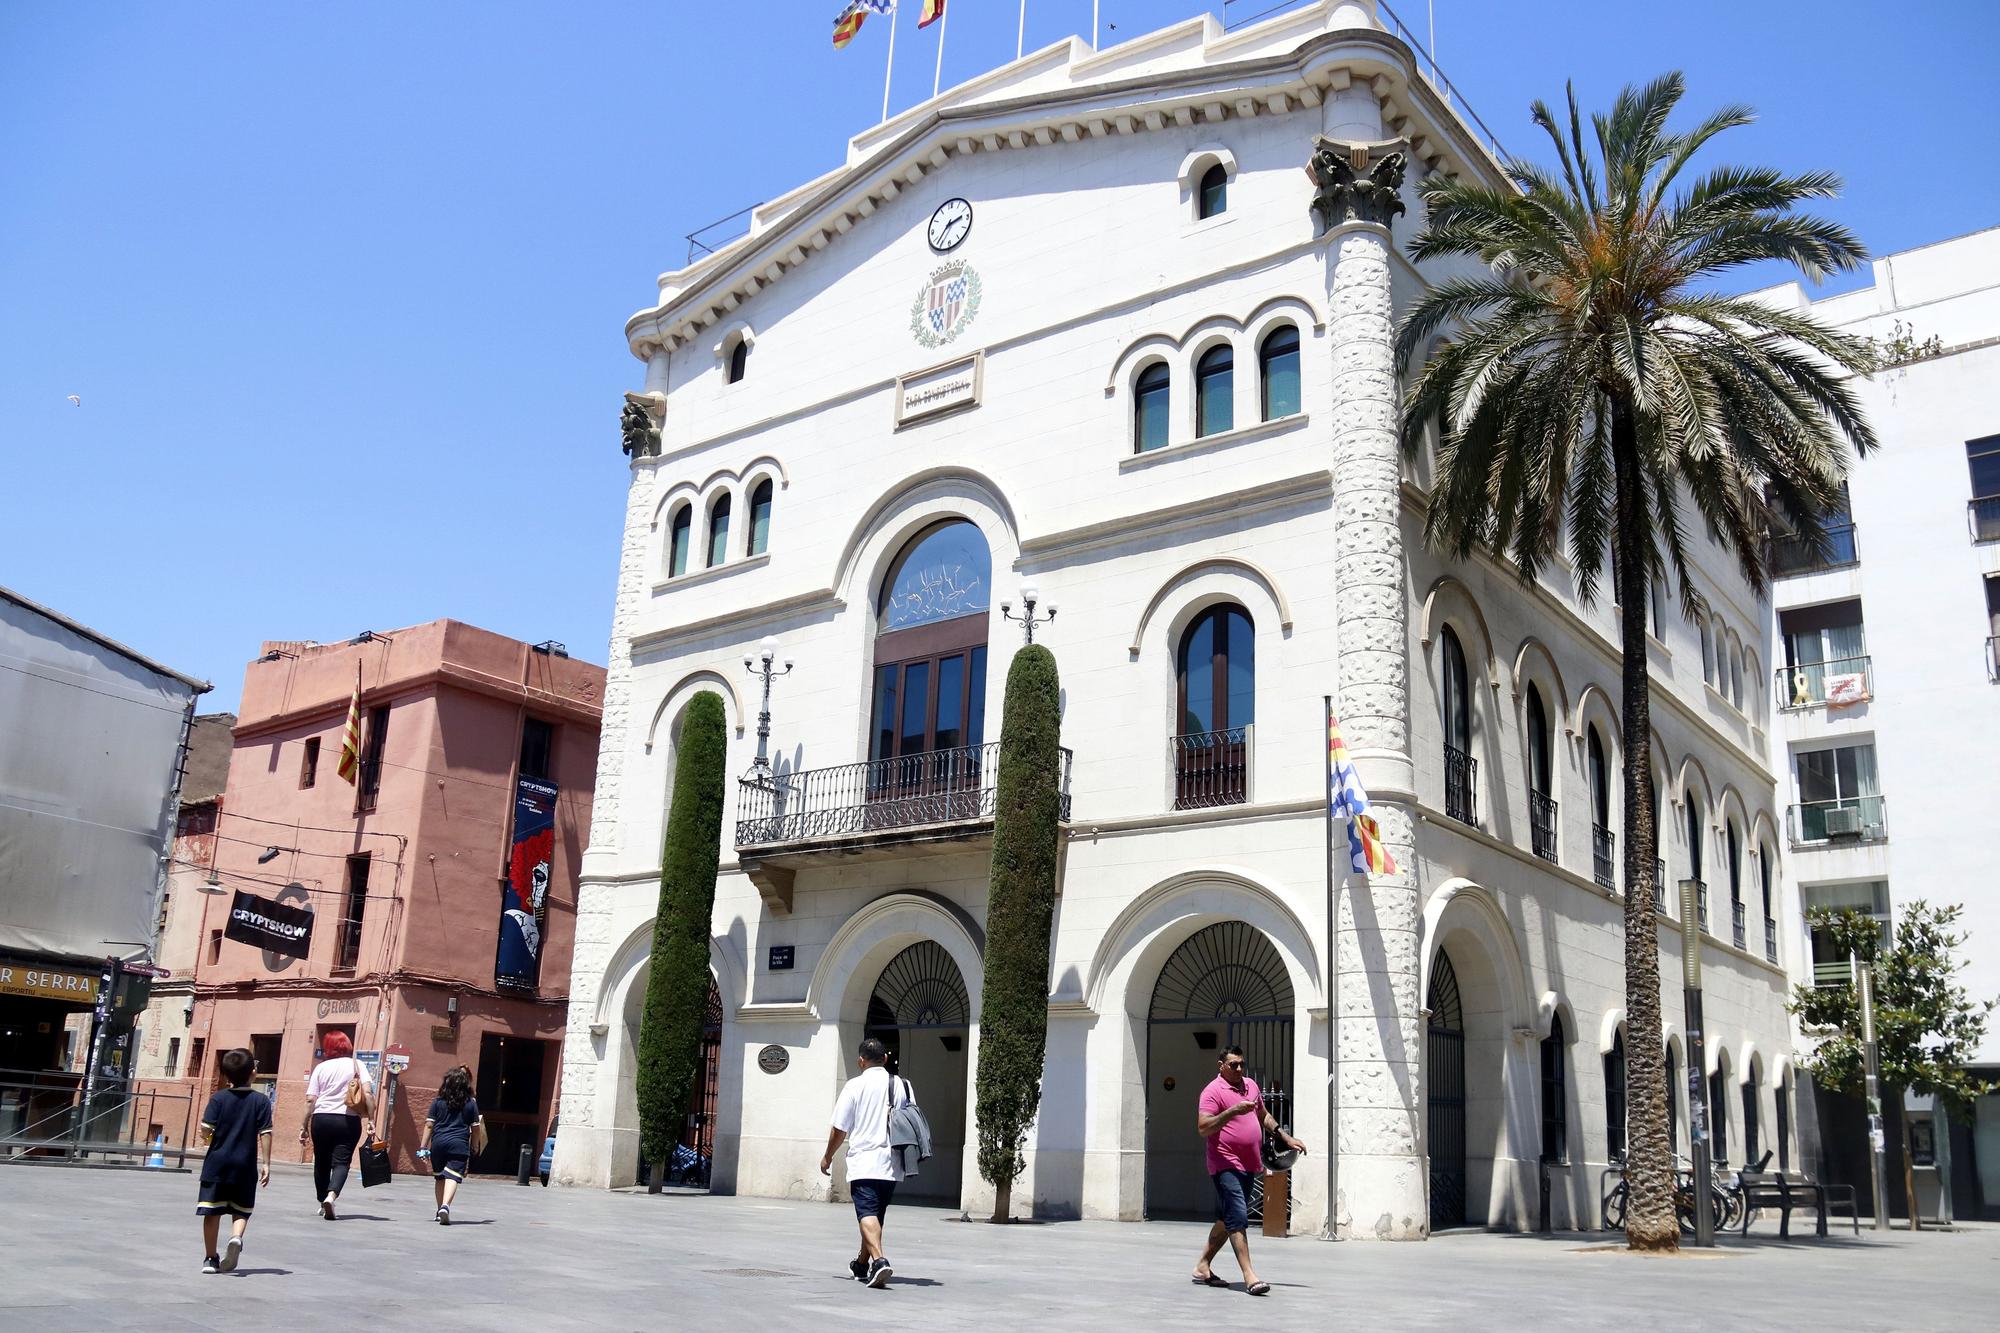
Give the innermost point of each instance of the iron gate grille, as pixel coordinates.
(1445, 1081)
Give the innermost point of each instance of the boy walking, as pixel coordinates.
(861, 1120)
(235, 1126)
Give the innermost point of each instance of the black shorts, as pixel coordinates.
(1232, 1199)
(871, 1197)
(228, 1192)
(448, 1168)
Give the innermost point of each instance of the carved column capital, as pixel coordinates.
(1357, 182)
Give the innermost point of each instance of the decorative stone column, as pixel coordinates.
(1377, 1011)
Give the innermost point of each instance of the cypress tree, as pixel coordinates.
(1020, 907)
(677, 989)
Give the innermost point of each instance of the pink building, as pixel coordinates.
(441, 880)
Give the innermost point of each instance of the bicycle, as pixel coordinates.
(1617, 1199)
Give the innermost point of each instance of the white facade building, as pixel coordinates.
(1888, 681)
(1076, 325)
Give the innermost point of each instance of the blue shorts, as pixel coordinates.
(448, 1168)
(1232, 1199)
(871, 1197)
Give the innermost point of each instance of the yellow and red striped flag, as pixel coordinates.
(1346, 796)
(933, 11)
(350, 735)
(852, 17)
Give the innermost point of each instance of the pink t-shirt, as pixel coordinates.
(1239, 1144)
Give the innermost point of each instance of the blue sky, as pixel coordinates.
(341, 286)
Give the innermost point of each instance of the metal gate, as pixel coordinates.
(1227, 984)
(1444, 1071)
(922, 992)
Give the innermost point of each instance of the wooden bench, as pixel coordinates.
(1786, 1191)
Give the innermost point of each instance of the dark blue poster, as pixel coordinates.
(524, 900)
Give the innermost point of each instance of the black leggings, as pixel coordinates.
(333, 1138)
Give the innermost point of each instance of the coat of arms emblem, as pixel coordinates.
(946, 305)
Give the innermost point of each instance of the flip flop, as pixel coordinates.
(1210, 1281)
(1258, 1289)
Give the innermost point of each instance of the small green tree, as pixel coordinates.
(677, 989)
(1020, 907)
(1926, 1025)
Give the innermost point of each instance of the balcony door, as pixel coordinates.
(1833, 783)
(928, 714)
(1216, 698)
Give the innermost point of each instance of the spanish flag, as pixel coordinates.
(350, 735)
(1348, 798)
(933, 11)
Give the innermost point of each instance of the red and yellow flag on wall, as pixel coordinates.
(350, 735)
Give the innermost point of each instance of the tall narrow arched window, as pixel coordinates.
(1735, 672)
(1673, 1102)
(1541, 763)
(1603, 844)
(739, 360)
(1694, 821)
(760, 517)
(718, 530)
(1614, 1098)
(1215, 692)
(930, 666)
(1782, 1125)
(1733, 845)
(1278, 372)
(1718, 1115)
(1214, 192)
(1215, 391)
(1457, 703)
(1149, 408)
(1555, 1093)
(680, 535)
(1707, 650)
(1751, 1138)
(1764, 858)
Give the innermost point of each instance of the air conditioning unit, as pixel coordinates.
(1843, 822)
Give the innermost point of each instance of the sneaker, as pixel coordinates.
(444, 1217)
(232, 1250)
(859, 1268)
(326, 1208)
(211, 1265)
(879, 1273)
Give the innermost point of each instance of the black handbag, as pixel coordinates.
(375, 1163)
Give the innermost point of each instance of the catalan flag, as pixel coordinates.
(350, 735)
(932, 12)
(851, 18)
(1349, 800)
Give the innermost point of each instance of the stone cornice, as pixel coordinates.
(1249, 500)
(449, 675)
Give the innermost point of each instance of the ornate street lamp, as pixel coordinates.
(1027, 619)
(763, 664)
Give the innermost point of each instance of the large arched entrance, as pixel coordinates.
(1224, 986)
(920, 1010)
(1444, 1069)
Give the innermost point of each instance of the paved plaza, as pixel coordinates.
(120, 1250)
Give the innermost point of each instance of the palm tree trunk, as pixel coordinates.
(1650, 1223)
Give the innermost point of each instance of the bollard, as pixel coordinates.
(526, 1170)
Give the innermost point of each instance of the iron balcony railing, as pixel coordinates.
(369, 789)
(1603, 855)
(1701, 903)
(1839, 973)
(1459, 768)
(1737, 933)
(1791, 555)
(1982, 515)
(1848, 819)
(1211, 768)
(1813, 684)
(877, 795)
(1771, 938)
(1542, 825)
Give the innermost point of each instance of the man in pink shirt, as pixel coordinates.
(1231, 1116)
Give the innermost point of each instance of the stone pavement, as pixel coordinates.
(119, 1249)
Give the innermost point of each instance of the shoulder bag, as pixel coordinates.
(357, 1094)
(909, 1132)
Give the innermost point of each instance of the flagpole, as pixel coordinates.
(1093, 24)
(944, 26)
(890, 68)
(1021, 32)
(1330, 1230)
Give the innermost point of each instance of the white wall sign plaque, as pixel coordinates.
(946, 388)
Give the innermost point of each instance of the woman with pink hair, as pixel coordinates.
(339, 1096)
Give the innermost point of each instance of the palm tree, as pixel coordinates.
(1593, 389)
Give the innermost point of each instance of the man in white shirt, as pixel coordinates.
(861, 1120)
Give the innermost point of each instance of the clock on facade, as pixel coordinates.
(949, 224)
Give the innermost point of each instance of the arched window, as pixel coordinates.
(1214, 192)
(1673, 1102)
(718, 530)
(1733, 845)
(1707, 650)
(760, 517)
(1718, 1115)
(1555, 1093)
(1694, 835)
(1614, 1098)
(1541, 804)
(1215, 391)
(1782, 1125)
(680, 535)
(1278, 372)
(1750, 1126)
(930, 661)
(1764, 858)
(1457, 728)
(1735, 672)
(1149, 408)
(1603, 844)
(739, 357)
(1216, 699)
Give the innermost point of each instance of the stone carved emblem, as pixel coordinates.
(640, 425)
(1357, 182)
(947, 304)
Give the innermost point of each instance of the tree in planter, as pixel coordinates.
(677, 988)
(1020, 908)
(1594, 387)
(1926, 1025)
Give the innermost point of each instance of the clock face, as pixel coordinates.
(949, 224)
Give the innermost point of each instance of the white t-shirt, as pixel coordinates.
(326, 1086)
(863, 1111)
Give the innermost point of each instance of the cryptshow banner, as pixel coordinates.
(271, 926)
(524, 905)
